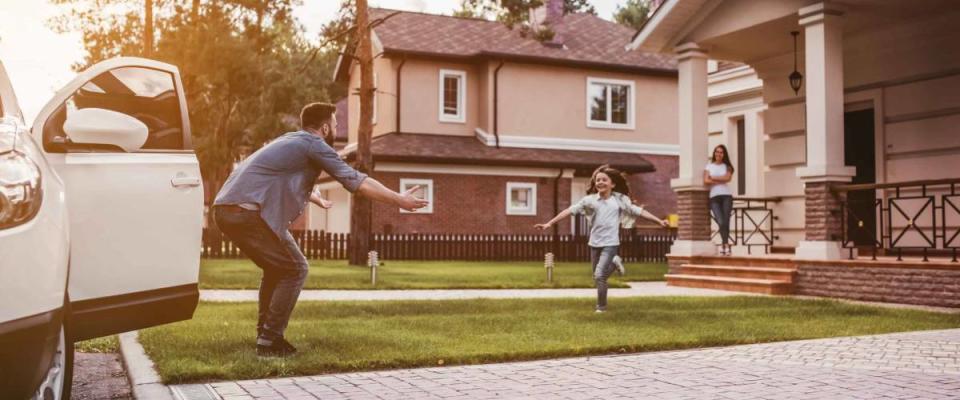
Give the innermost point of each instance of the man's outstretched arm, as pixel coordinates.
(375, 191)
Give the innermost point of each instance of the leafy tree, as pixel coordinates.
(517, 12)
(245, 65)
(633, 14)
(468, 10)
(351, 33)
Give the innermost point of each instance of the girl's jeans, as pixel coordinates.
(722, 206)
(602, 260)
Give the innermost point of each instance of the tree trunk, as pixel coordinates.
(362, 210)
(148, 28)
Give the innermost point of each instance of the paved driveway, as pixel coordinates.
(917, 365)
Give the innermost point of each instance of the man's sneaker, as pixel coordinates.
(619, 263)
(279, 348)
(600, 310)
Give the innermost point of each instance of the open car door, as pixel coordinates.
(119, 137)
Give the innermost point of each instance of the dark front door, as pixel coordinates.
(859, 151)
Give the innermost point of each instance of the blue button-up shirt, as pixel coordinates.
(280, 176)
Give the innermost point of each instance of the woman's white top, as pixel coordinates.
(718, 171)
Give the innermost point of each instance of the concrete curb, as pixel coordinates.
(144, 380)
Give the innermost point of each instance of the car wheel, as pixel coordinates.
(59, 379)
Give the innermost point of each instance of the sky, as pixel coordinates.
(38, 60)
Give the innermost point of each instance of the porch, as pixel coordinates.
(900, 242)
(851, 147)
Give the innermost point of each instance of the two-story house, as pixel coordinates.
(500, 130)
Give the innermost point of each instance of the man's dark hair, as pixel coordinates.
(314, 115)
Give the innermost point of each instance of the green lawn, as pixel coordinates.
(327, 274)
(218, 344)
(106, 344)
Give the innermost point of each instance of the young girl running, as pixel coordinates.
(608, 208)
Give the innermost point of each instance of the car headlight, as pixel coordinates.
(20, 191)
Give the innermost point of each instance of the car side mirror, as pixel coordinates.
(105, 127)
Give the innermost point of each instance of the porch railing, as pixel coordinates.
(751, 223)
(915, 216)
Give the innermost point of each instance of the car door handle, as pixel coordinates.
(185, 181)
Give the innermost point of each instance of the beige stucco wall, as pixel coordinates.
(420, 98)
(384, 101)
(534, 101)
(545, 101)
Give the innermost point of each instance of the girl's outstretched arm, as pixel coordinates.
(646, 214)
(640, 211)
(563, 214)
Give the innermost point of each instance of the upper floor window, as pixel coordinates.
(610, 103)
(453, 96)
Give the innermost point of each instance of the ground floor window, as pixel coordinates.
(424, 191)
(521, 198)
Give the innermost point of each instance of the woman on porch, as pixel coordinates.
(716, 174)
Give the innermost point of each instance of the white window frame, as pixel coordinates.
(631, 104)
(428, 183)
(461, 116)
(532, 210)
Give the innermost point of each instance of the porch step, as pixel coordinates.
(776, 274)
(767, 286)
(744, 261)
(782, 249)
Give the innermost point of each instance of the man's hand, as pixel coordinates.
(664, 223)
(409, 202)
(542, 227)
(325, 203)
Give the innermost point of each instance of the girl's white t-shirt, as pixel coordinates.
(718, 170)
(605, 230)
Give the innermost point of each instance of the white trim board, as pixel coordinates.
(536, 142)
(456, 169)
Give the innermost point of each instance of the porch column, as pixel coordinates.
(693, 235)
(823, 34)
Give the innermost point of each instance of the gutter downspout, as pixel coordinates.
(556, 203)
(399, 69)
(496, 122)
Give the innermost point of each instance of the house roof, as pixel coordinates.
(589, 41)
(467, 150)
(659, 31)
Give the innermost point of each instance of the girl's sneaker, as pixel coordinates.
(619, 263)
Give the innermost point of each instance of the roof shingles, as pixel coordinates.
(466, 150)
(587, 39)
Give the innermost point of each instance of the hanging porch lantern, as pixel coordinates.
(796, 78)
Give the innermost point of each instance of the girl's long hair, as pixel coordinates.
(726, 157)
(617, 177)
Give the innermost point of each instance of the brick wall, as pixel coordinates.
(907, 284)
(823, 216)
(694, 212)
(470, 204)
(653, 189)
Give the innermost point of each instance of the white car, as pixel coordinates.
(101, 208)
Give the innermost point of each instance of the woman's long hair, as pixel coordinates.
(617, 177)
(726, 157)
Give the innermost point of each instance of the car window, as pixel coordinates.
(146, 94)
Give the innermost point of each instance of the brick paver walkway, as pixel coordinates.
(917, 365)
